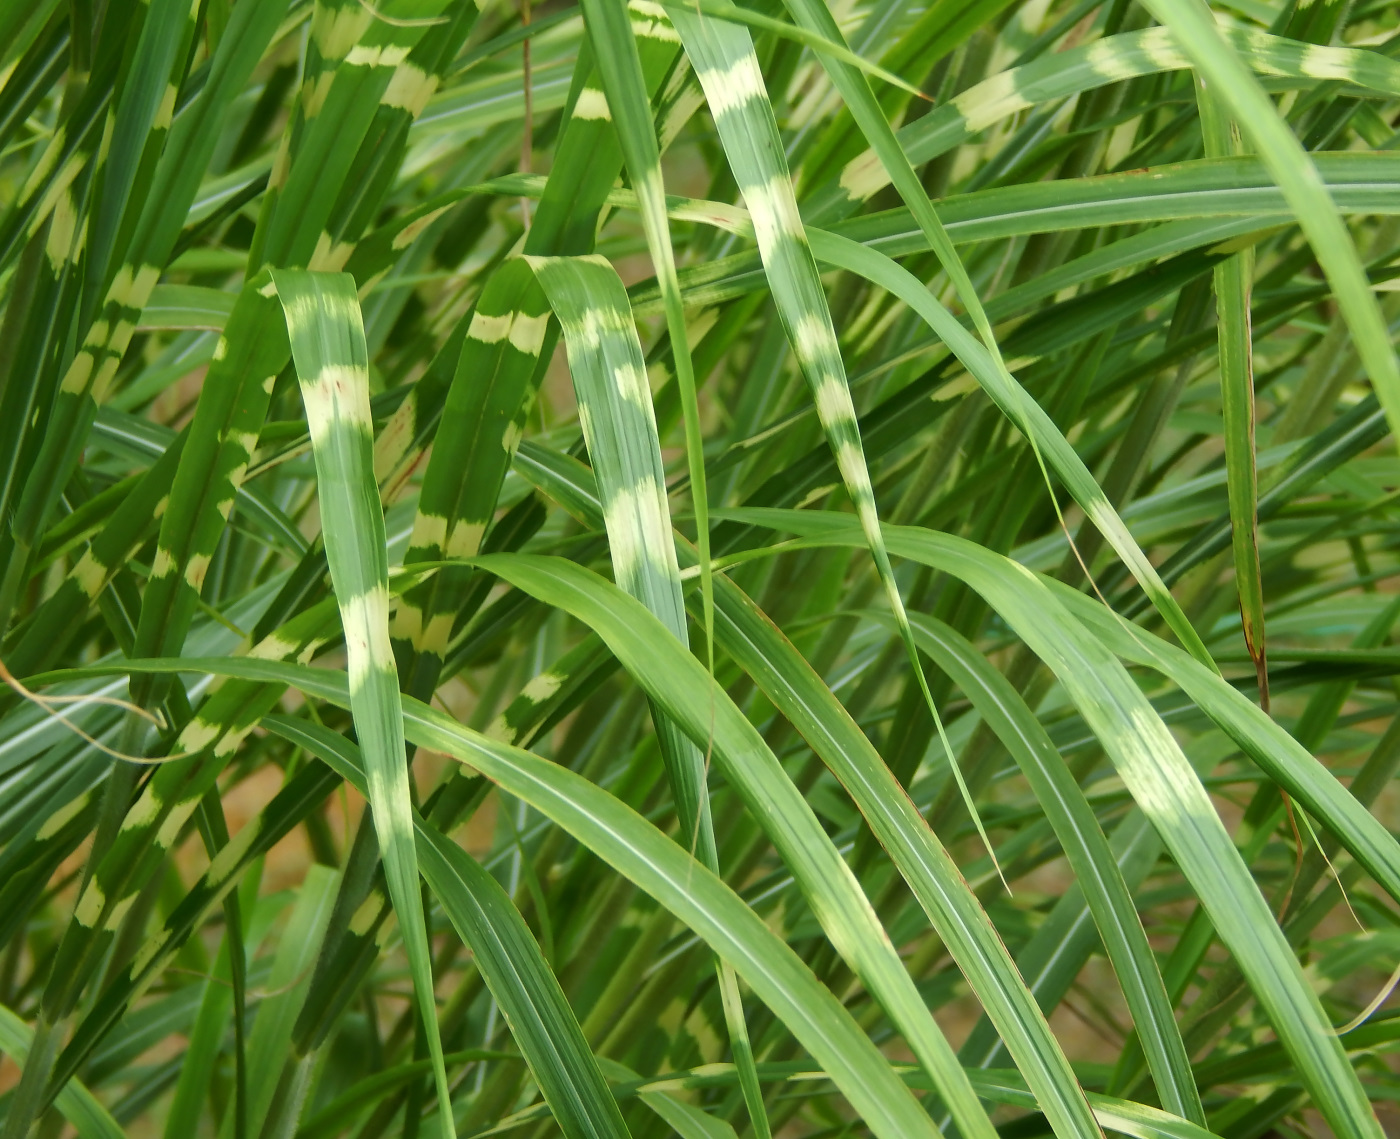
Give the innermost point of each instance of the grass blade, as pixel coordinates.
(619, 423)
(1297, 178)
(692, 892)
(1023, 411)
(327, 342)
(520, 979)
(78, 1105)
(1167, 790)
(728, 69)
(1236, 351)
(1096, 869)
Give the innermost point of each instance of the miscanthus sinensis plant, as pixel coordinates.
(640, 567)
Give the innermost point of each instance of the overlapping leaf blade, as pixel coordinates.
(327, 344)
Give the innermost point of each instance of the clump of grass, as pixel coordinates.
(858, 602)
